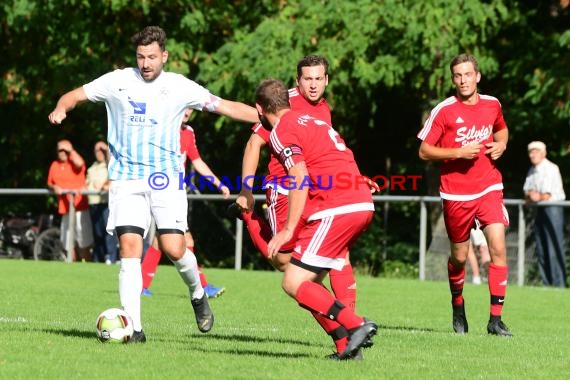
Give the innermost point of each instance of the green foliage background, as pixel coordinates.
(388, 68)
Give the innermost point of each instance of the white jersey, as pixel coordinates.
(545, 178)
(144, 119)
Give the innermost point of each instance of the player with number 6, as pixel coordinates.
(330, 219)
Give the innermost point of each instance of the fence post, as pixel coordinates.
(521, 247)
(239, 243)
(70, 243)
(423, 239)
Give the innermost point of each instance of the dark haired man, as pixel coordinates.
(145, 106)
(307, 97)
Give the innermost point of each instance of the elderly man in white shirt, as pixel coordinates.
(543, 183)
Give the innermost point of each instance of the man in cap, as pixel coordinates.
(543, 183)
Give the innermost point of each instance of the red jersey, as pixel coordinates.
(65, 175)
(299, 137)
(188, 144)
(453, 124)
(298, 102)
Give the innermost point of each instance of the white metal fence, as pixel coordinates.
(422, 202)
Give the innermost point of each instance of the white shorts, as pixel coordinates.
(478, 237)
(83, 229)
(132, 202)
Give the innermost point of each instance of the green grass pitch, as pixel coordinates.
(48, 312)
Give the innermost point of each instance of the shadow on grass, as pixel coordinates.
(268, 354)
(253, 346)
(256, 339)
(72, 333)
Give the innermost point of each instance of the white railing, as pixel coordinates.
(423, 222)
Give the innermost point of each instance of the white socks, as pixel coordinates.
(130, 283)
(187, 267)
(130, 288)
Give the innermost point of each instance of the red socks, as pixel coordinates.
(149, 265)
(456, 281)
(338, 333)
(259, 231)
(343, 285)
(203, 280)
(316, 298)
(498, 276)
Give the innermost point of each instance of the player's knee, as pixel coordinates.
(498, 254)
(458, 261)
(280, 261)
(289, 285)
(174, 252)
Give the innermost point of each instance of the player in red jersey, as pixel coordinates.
(306, 97)
(467, 134)
(331, 218)
(152, 256)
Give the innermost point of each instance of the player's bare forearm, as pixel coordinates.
(429, 152)
(237, 111)
(297, 196)
(496, 149)
(66, 103)
(204, 170)
(501, 136)
(251, 160)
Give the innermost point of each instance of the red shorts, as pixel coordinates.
(324, 243)
(277, 209)
(460, 216)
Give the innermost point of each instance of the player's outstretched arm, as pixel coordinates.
(250, 161)
(66, 103)
(237, 111)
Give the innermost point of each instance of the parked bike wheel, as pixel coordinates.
(48, 246)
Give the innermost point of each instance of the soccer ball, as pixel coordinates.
(114, 326)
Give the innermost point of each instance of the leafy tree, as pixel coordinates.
(388, 68)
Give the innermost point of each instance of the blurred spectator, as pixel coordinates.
(68, 173)
(543, 183)
(478, 256)
(105, 248)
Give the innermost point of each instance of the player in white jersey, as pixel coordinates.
(145, 106)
